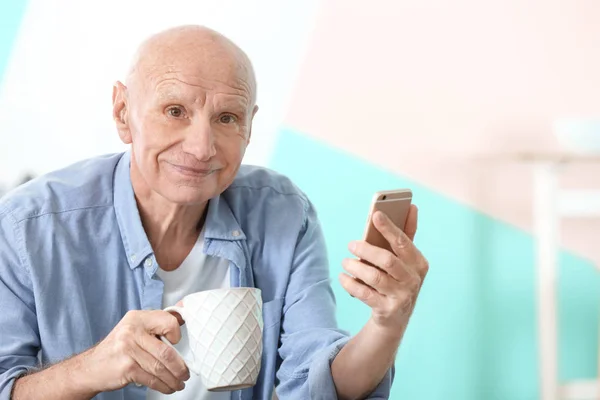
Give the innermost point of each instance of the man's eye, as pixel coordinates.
(227, 119)
(175, 112)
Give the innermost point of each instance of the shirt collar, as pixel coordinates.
(220, 224)
(133, 234)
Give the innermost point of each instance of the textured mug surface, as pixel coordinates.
(225, 336)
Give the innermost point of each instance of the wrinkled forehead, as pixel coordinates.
(197, 73)
(176, 87)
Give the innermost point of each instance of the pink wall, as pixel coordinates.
(446, 93)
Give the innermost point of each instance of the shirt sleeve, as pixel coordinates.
(310, 339)
(19, 337)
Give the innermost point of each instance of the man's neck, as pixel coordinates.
(168, 224)
(172, 229)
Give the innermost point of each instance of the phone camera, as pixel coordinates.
(384, 197)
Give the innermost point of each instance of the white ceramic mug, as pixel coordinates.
(225, 336)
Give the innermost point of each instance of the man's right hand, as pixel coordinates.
(131, 353)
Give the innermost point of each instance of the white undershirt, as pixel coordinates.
(197, 272)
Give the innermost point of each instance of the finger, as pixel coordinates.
(157, 368)
(410, 227)
(400, 244)
(166, 357)
(378, 257)
(371, 276)
(392, 233)
(364, 293)
(141, 377)
(422, 267)
(162, 323)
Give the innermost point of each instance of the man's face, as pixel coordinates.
(189, 127)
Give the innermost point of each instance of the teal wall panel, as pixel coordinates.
(474, 333)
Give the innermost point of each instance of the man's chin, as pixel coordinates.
(189, 195)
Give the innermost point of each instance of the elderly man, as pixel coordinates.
(89, 255)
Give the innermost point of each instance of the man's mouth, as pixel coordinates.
(193, 171)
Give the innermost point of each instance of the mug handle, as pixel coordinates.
(181, 312)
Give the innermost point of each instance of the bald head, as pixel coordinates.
(187, 110)
(196, 49)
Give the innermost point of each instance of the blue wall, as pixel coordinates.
(11, 14)
(474, 334)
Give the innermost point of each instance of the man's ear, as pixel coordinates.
(254, 111)
(120, 111)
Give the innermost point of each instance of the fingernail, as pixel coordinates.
(352, 246)
(379, 216)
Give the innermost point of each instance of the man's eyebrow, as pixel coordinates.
(168, 95)
(234, 100)
(167, 91)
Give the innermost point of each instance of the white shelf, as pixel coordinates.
(579, 203)
(550, 205)
(580, 390)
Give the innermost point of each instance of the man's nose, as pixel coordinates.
(200, 140)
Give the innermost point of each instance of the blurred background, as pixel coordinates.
(477, 106)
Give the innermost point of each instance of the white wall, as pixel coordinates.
(55, 98)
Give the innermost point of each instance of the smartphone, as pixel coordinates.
(393, 203)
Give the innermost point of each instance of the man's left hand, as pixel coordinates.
(391, 285)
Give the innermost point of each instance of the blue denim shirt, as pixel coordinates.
(74, 258)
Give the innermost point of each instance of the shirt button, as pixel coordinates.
(148, 262)
(235, 233)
